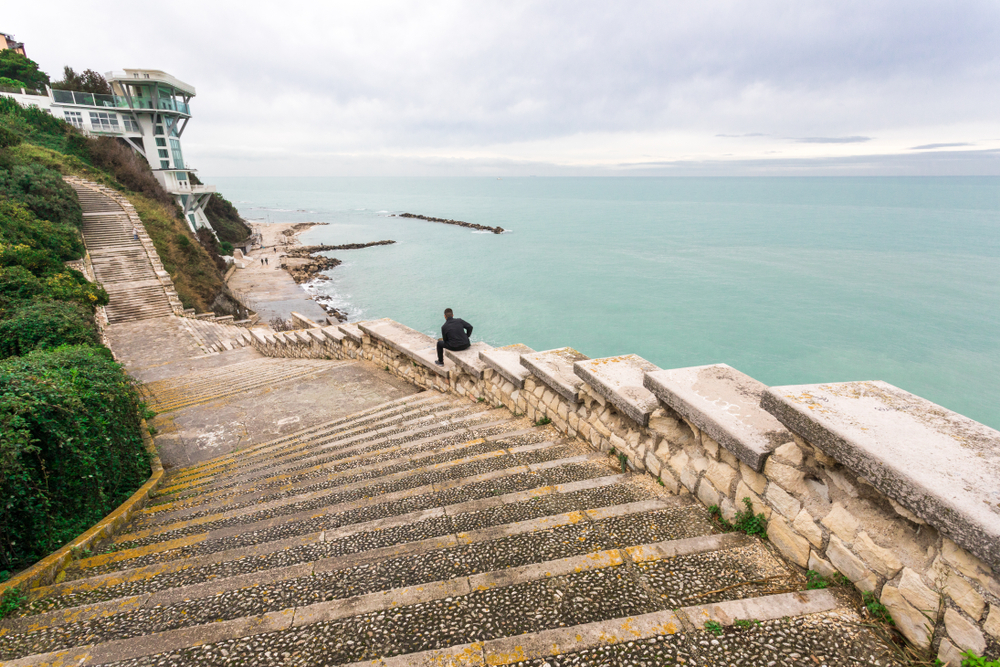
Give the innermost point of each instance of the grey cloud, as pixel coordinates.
(927, 147)
(833, 140)
(740, 136)
(381, 78)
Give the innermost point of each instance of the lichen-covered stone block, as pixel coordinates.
(725, 404)
(468, 360)
(619, 380)
(936, 463)
(506, 361)
(555, 369)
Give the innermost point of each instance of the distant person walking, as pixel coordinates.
(262, 261)
(267, 262)
(135, 233)
(455, 334)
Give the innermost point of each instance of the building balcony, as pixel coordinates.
(117, 102)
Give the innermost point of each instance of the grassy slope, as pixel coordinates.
(193, 271)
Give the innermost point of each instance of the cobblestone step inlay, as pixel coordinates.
(438, 631)
(321, 478)
(156, 613)
(611, 527)
(304, 438)
(588, 494)
(367, 507)
(246, 456)
(255, 499)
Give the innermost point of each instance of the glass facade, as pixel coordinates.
(102, 121)
(74, 118)
(175, 148)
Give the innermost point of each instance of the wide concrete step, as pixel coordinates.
(327, 452)
(405, 608)
(441, 502)
(309, 453)
(222, 464)
(198, 388)
(323, 474)
(372, 463)
(525, 472)
(511, 544)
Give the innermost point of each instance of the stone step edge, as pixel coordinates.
(406, 548)
(169, 388)
(159, 529)
(229, 462)
(342, 442)
(293, 445)
(551, 643)
(350, 529)
(266, 481)
(162, 408)
(254, 450)
(457, 418)
(254, 493)
(380, 600)
(494, 652)
(276, 464)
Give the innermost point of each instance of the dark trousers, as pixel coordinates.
(442, 347)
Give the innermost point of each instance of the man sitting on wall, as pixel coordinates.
(454, 335)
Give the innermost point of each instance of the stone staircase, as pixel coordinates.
(123, 265)
(430, 530)
(216, 336)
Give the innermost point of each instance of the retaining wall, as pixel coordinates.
(897, 494)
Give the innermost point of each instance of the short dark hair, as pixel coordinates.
(448, 312)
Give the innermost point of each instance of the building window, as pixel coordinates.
(163, 152)
(175, 148)
(74, 118)
(103, 121)
(130, 124)
(164, 164)
(160, 141)
(159, 129)
(182, 176)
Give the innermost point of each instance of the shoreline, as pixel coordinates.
(301, 270)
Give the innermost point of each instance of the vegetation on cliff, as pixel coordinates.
(70, 445)
(22, 70)
(44, 142)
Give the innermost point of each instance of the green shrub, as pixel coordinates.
(11, 600)
(37, 325)
(43, 192)
(745, 520)
(226, 220)
(8, 82)
(16, 66)
(70, 447)
(17, 284)
(8, 138)
(970, 659)
(19, 226)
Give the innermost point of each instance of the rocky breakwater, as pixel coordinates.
(304, 265)
(470, 225)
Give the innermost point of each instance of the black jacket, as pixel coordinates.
(455, 333)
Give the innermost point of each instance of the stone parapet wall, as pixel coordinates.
(703, 431)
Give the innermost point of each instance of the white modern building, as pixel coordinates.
(149, 110)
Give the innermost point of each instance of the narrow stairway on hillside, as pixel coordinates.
(121, 263)
(430, 530)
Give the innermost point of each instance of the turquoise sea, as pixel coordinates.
(791, 280)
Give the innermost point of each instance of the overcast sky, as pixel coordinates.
(574, 87)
